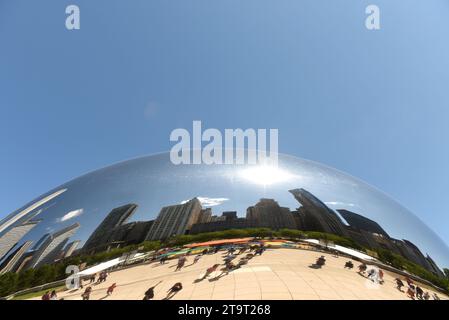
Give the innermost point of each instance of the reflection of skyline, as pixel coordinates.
(153, 182)
(13, 218)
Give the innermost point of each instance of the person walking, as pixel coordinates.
(86, 294)
(411, 292)
(111, 289)
(173, 290)
(381, 276)
(321, 261)
(181, 261)
(53, 295)
(419, 293)
(399, 284)
(196, 259)
(149, 294)
(46, 296)
(362, 268)
(209, 271)
(372, 275)
(163, 259)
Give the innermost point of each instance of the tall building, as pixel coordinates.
(70, 248)
(126, 234)
(217, 218)
(11, 237)
(358, 221)
(411, 252)
(230, 215)
(316, 216)
(175, 220)
(40, 241)
(268, 213)
(11, 219)
(52, 247)
(117, 217)
(13, 260)
(205, 215)
(434, 267)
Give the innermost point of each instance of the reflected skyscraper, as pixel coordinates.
(11, 237)
(117, 217)
(70, 248)
(154, 182)
(315, 215)
(52, 246)
(40, 241)
(11, 263)
(358, 221)
(267, 213)
(175, 220)
(11, 219)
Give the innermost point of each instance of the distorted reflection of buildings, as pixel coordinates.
(11, 263)
(176, 220)
(114, 231)
(52, 246)
(13, 218)
(314, 215)
(190, 217)
(11, 237)
(70, 248)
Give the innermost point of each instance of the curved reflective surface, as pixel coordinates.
(138, 190)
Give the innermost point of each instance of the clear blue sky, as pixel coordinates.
(373, 104)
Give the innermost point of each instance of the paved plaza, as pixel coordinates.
(277, 274)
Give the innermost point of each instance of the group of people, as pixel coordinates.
(376, 275)
(414, 291)
(229, 257)
(50, 295)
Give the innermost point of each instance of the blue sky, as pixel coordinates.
(371, 103)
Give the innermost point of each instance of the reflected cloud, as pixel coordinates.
(209, 202)
(340, 204)
(70, 215)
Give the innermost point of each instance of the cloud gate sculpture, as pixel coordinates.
(150, 200)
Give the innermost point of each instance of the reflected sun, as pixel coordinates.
(265, 175)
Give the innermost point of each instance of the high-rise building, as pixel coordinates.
(230, 215)
(40, 241)
(70, 248)
(175, 220)
(12, 218)
(411, 252)
(316, 216)
(217, 218)
(434, 267)
(117, 217)
(358, 221)
(239, 223)
(11, 263)
(11, 237)
(126, 234)
(268, 213)
(205, 215)
(52, 246)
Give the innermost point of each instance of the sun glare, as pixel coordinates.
(265, 175)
